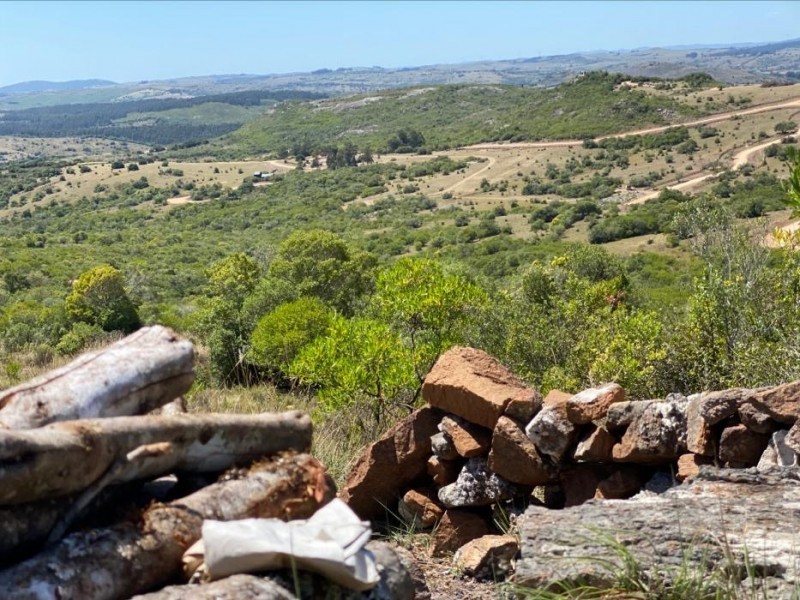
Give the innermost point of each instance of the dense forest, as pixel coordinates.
(107, 119)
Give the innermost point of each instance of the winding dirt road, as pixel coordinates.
(793, 103)
(740, 159)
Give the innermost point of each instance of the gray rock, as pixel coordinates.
(551, 432)
(443, 447)
(737, 521)
(656, 434)
(476, 486)
(622, 414)
(777, 453)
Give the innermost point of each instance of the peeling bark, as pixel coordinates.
(139, 373)
(63, 458)
(128, 559)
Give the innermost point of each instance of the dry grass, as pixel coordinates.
(76, 185)
(339, 438)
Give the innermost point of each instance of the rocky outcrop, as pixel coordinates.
(724, 521)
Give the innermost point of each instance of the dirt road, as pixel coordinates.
(740, 159)
(794, 103)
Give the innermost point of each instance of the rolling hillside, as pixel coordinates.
(450, 116)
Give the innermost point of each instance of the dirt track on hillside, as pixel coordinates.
(740, 159)
(794, 103)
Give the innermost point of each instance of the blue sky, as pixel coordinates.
(130, 41)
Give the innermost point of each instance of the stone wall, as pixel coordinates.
(485, 439)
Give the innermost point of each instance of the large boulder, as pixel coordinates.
(724, 521)
(473, 385)
(387, 466)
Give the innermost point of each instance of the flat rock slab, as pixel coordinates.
(476, 387)
(724, 519)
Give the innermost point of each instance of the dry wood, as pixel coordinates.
(139, 373)
(64, 458)
(127, 559)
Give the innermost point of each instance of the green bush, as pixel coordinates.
(282, 333)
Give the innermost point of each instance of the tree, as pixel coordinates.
(220, 320)
(319, 263)
(281, 334)
(785, 127)
(98, 297)
(359, 360)
(381, 359)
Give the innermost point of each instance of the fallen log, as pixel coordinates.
(139, 373)
(63, 458)
(127, 559)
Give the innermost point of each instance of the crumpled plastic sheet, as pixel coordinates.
(330, 543)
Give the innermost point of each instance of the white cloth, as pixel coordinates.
(331, 543)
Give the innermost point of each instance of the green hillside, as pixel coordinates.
(456, 115)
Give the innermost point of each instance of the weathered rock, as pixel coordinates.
(747, 523)
(443, 472)
(551, 431)
(622, 414)
(390, 464)
(718, 406)
(420, 508)
(523, 408)
(514, 457)
(740, 447)
(443, 447)
(235, 587)
(595, 447)
(456, 528)
(592, 404)
(782, 402)
(556, 397)
(476, 486)
(756, 420)
(473, 385)
(579, 483)
(622, 483)
(689, 465)
(699, 436)
(469, 439)
(792, 438)
(490, 556)
(777, 453)
(657, 434)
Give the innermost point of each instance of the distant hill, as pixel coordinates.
(732, 64)
(458, 115)
(27, 87)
